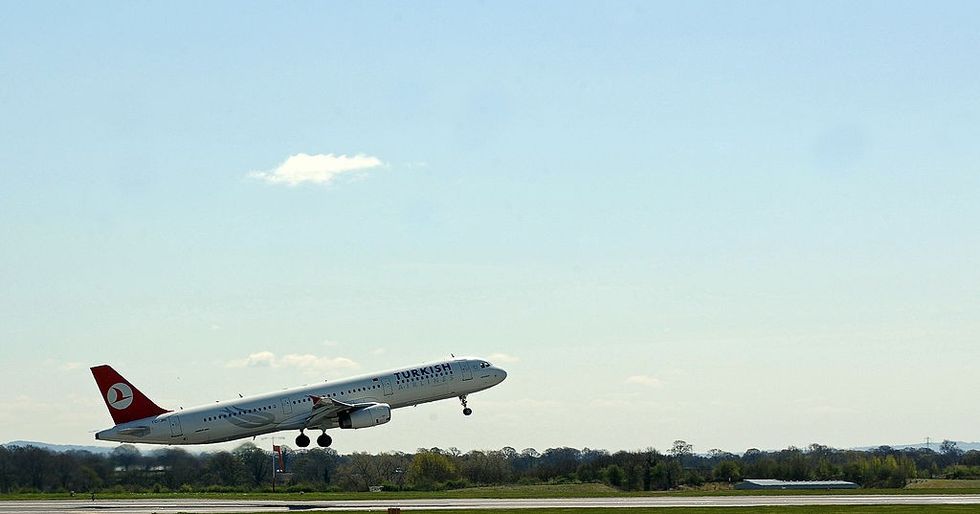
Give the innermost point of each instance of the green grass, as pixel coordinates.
(604, 491)
(823, 509)
(934, 484)
(511, 491)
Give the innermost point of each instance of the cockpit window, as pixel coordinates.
(484, 364)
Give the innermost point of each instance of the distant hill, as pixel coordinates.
(62, 447)
(933, 445)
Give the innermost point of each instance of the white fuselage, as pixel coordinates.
(290, 409)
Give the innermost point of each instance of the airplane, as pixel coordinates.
(359, 402)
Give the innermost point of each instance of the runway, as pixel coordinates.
(250, 506)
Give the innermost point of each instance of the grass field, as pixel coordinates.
(525, 491)
(827, 509)
(944, 484)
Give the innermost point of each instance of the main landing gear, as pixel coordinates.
(303, 440)
(324, 440)
(466, 410)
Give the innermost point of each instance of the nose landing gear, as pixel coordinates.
(466, 410)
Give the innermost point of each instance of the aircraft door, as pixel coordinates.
(287, 407)
(386, 385)
(467, 373)
(175, 430)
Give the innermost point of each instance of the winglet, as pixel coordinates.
(125, 402)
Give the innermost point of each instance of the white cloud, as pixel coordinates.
(318, 169)
(255, 360)
(645, 380)
(303, 362)
(502, 358)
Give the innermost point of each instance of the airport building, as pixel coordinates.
(766, 483)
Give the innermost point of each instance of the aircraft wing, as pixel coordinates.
(326, 411)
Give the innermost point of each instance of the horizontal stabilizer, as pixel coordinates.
(134, 431)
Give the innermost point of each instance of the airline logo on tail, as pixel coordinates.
(120, 396)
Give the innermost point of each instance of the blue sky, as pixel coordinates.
(740, 224)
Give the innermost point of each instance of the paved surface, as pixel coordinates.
(246, 506)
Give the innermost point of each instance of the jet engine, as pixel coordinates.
(374, 415)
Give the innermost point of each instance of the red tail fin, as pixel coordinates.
(124, 401)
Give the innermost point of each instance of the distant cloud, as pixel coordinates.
(62, 365)
(502, 358)
(645, 380)
(255, 360)
(378, 351)
(303, 362)
(318, 169)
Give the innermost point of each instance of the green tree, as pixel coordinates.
(256, 462)
(950, 452)
(223, 469)
(585, 472)
(665, 474)
(693, 478)
(126, 456)
(614, 475)
(681, 449)
(971, 458)
(181, 468)
(485, 467)
(430, 468)
(316, 466)
(727, 471)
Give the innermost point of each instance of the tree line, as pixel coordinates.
(249, 468)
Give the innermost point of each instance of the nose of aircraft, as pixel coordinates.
(500, 374)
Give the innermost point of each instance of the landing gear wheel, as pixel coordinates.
(324, 440)
(466, 410)
(302, 440)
